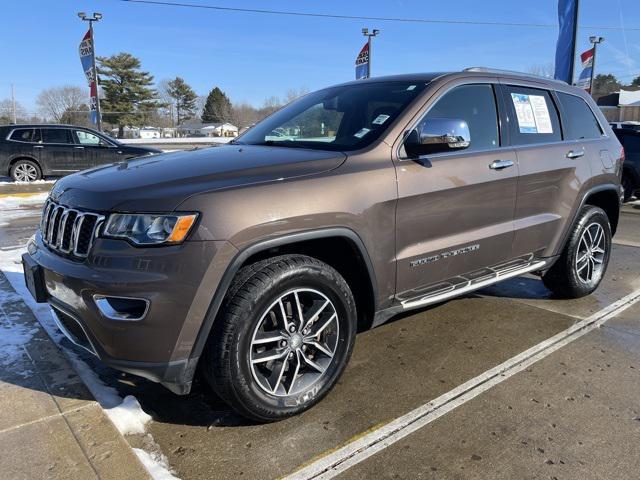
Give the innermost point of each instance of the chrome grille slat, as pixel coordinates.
(59, 223)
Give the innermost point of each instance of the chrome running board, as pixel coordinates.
(451, 290)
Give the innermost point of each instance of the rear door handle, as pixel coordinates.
(38, 146)
(575, 153)
(500, 164)
(79, 148)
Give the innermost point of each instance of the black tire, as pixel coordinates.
(248, 306)
(565, 278)
(629, 186)
(25, 168)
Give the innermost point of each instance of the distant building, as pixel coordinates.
(622, 106)
(137, 132)
(207, 130)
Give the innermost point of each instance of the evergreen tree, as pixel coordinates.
(128, 96)
(184, 98)
(604, 85)
(217, 108)
(636, 82)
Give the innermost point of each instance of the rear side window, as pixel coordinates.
(476, 105)
(56, 135)
(533, 117)
(22, 135)
(580, 123)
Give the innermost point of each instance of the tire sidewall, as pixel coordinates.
(591, 215)
(329, 283)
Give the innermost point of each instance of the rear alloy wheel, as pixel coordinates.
(283, 337)
(25, 171)
(585, 257)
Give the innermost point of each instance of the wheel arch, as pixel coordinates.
(320, 244)
(607, 197)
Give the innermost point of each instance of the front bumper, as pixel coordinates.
(178, 282)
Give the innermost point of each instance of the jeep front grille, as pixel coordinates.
(67, 230)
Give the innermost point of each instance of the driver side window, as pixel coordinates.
(473, 104)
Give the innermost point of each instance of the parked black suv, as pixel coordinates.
(30, 152)
(630, 139)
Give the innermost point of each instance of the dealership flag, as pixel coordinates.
(86, 58)
(584, 81)
(565, 47)
(362, 63)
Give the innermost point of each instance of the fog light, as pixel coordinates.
(122, 308)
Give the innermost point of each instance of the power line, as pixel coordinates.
(369, 18)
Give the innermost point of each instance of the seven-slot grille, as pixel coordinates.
(68, 230)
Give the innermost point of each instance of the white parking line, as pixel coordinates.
(355, 452)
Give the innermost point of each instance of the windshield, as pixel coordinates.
(341, 118)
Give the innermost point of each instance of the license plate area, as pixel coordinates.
(34, 278)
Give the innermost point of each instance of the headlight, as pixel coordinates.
(150, 229)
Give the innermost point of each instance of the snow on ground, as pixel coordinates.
(13, 334)
(126, 414)
(156, 464)
(9, 181)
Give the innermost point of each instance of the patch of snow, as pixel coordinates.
(36, 182)
(13, 334)
(17, 201)
(156, 464)
(128, 417)
(126, 414)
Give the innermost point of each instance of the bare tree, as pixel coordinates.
(293, 94)
(55, 102)
(6, 112)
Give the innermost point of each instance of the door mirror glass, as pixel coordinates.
(438, 135)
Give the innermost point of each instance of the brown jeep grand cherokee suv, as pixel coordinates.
(256, 262)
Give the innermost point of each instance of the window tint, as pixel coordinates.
(87, 138)
(476, 105)
(56, 135)
(22, 135)
(533, 117)
(580, 123)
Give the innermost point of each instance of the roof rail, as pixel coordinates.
(510, 72)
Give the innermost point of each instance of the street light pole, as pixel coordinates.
(365, 32)
(96, 17)
(595, 40)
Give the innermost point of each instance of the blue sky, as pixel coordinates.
(252, 56)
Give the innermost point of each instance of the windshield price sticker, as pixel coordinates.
(532, 112)
(380, 119)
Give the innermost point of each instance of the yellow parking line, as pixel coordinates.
(20, 195)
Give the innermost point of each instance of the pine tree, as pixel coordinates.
(184, 97)
(218, 108)
(128, 96)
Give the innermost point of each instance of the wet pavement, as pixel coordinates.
(574, 414)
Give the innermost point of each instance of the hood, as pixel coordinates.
(161, 182)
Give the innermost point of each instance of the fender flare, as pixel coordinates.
(597, 189)
(261, 246)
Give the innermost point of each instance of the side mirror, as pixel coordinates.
(438, 135)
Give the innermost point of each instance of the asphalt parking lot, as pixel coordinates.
(574, 413)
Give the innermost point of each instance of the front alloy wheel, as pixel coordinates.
(283, 337)
(294, 342)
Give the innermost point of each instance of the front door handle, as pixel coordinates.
(38, 146)
(500, 164)
(575, 154)
(79, 148)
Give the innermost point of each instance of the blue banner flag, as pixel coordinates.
(565, 48)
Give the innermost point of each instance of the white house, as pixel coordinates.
(208, 130)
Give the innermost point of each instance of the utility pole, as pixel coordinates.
(595, 40)
(365, 32)
(96, 17)
(13, 105)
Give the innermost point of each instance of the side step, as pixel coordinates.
(469, 285)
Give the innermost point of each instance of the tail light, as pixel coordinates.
(622, 156)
